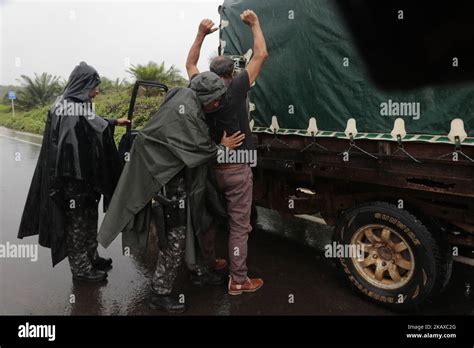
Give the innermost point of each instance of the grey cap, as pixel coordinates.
(208, 87)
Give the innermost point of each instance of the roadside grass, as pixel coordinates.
(30, 121)
(113, 105)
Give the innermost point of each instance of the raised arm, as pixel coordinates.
(205, 28)
(260, 52)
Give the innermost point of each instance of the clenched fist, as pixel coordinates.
(207, 27)
(249, 17)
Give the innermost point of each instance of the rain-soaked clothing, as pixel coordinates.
(171, 253)
(77, 145)
(81, 226)
(174, 140)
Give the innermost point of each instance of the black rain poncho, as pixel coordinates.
(175, 138)
(77, 144)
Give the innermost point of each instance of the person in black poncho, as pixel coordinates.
(77, 164)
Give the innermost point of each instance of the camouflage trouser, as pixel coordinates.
(81, 226)
(171, 255)
(169, 261)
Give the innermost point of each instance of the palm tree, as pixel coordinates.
(109, 86)
(39, 91)
(157, 72)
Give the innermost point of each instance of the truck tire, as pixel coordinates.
(401, 264)
(445, 249)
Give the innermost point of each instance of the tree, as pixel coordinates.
(110, 86)
(39, 91)
(158, 72)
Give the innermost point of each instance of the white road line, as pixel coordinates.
(29, 134)
(25, 141)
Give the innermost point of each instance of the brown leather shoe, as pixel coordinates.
(219, 264)
(250, 285)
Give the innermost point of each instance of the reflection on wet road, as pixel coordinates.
(287, 266)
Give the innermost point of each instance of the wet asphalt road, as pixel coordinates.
(287, 266)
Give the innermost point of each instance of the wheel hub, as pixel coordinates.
(385, 253)
(388, 260)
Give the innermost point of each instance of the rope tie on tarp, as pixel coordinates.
(457, 134)
(313, 144)
(275, 139)
(401, 148)
(352, 145)
(275, 127)
(457, 149)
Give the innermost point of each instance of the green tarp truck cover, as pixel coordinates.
(315, 73)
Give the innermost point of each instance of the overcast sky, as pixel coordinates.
(54, 36)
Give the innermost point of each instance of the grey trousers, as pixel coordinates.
(236, 183)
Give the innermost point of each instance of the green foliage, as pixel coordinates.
(118, 134)
(31, 121)
(5, 109)
(108, 86)
(37, 95)
(116, 105)
(158, 72)
(38, 91)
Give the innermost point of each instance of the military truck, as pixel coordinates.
(391, 171)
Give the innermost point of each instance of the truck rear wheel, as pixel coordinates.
(398, 264)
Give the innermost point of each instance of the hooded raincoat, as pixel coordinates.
(77, 144)
(175, 138)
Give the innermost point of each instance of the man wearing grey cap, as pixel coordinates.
(168, 171)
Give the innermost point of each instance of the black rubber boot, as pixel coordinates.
(102, 264)
(209, 278)
(94, 276)
(167, 303)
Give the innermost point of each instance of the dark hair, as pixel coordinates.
(222, 66)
